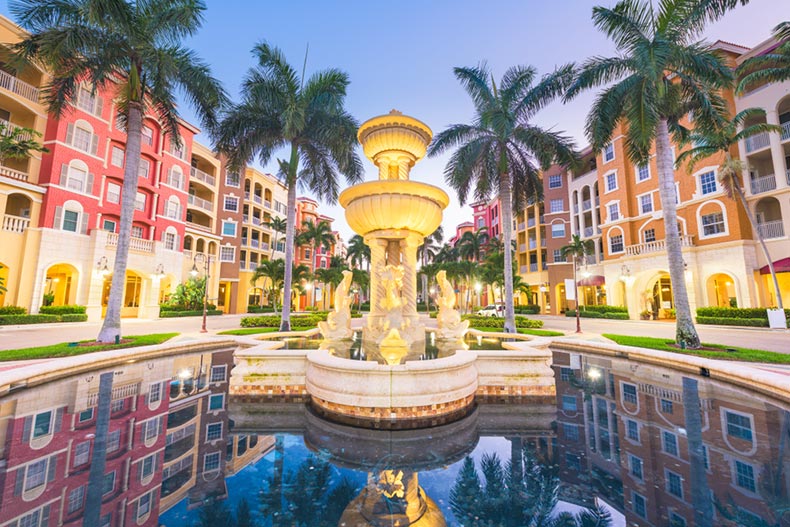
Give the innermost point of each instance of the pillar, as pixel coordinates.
(777, 153)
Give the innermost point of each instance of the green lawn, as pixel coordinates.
(527, 331)
(65, 350)
(739, 354)
(255, 331)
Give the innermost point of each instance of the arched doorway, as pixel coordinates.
(721, 291)
(130, 304)
(3, 282)
(17, 213)
(60, 288)
(659, 302)
(562, 300)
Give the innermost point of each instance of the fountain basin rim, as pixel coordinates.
(393, 120)
(325, 359)
(406, 187)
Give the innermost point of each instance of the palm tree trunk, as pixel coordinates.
(312, 291)
(739, 192)
(685, 332)
(111, 328)
(506, 208)
(290, 229)
(274, 244)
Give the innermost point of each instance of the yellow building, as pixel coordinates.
(530, 235)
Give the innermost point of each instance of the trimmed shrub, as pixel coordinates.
(610, 312)
(735, 312)
(530, 309)
(10, 320)
(63, 310)
(12, 310)
(260, 309)
(273, 321)
(724, 321)
(499, 323)
(74, 317)
(178, 314)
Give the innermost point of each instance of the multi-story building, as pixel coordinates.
(460, 229)
(530, 236)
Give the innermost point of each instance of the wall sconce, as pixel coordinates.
(102, 266)
(159, 272)
(625, 271)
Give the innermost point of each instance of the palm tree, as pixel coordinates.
(578, 249)
(17, 142)
(721, 140)
(278, 225)
(357, 251)
(659, 75)
(769, 67)
(281, 109)
(316, 234)
(274, 271)
(133, 48)
(426, 253)
(471, 244)
(447, 253)
(502, 150)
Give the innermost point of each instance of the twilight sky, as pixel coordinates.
(402, 57)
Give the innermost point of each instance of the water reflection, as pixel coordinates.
(623, 443)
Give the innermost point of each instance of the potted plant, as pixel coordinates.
(644, 315)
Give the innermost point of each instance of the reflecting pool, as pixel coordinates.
(160, 442)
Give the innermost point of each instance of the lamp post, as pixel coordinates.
(194, 272)
(576, 293)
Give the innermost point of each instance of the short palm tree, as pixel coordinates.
(721, 140)
(316, 235)
(278, 225)
(274, 271)
(659, 75)
(769, 67)
(578, 250)
(17, 142)
(446, 253)
(282, 109)
(133, 49)
(426, 253)
(472, 243)
(502, 151)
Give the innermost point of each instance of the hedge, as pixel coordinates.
(172, 307)
(62, 310)
(606, 309)
(273, 321)
(178, 314)
(74, 317)
(735, 312)
(259, 309)
(530, 309)
(584, 313)
(12, 310)
(725, 321)
(496, 322)
(8, 320)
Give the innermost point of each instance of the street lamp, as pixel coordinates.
(200, 257)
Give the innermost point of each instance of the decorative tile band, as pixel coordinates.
(516, 391)
(254, 389)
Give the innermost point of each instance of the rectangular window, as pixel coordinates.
(650, 235)
(633, 430)
(116, 159)
(86, 100)
(707, 183)
(616, 244)
(636, 466)
(108, 225)
(611, 182)
(148, 135)
(113, 193)
(646, 203)
(218, 373)
(147, 466)
(557, 205)
(117, 406)
(558, 230)
(666, 406)
(216, 402)
(227, 254)
(173, 209)
(744, 476)
(608, 152)
(213, 431)
(143, 505)
(42, 424)
(713, 224)
(108, 483)
(154, 392)
(150, 429)
(570, 431)
(106, 520)
(76, 499)
(82, 453)
(565, 374)
(670, 442)
(232, 180)
(674, 484)
(555, 181)
(614, 212)
(739, 426)
(137, 231)
(640, 505)
(569, 403)
(82, 139)
(71, 220)
(114, 440)
(228, 228)
(170, 241)
(231, 204)
(629, 393)
(77, 179)
(139, 201)
(36, 474)
(643, 172)
(211, 462)
(85, 415)
(143, 169)
(558, 255)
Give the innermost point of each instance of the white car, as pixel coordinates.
(493, 310)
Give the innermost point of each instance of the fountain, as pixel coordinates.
(397, 385)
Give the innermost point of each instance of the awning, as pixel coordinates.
(592, 280)
(780, 266)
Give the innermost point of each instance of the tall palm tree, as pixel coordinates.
(278, 225)
(316, 235)
(502, 150)
(357, 251)
(274, 270)
(578, 250)
(721, 140)
(426, 253)
(133, 49)
(659, 75)
(769, 67)
(282, 109)
(472, 243)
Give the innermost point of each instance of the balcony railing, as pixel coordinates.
(588, 232)
(135, 244)
(11, 173)
(787, 176)
(264, 246)
(255, 243)
(521, 226)
(198, 226)
(9, 127)
(202, 176)
(256, 221)
(523, 269)
(758, 142)
(656, 246)
(771, 229)
(11, 83)
(15, 224)
(533, 267)
(786, 131)
(257, 198)
(530, 222)
(267, 204)
(199, 202)
(533, 244)
(763, 184)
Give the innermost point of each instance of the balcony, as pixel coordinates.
(257, 198)
(533, 244)
(199, 203)
(588, 232)
(12, 84)
(198, 226)
(771, 229)
(9, 127)
(199, 175)
(763, 184)
(521, 226)
(757, 142)
(15, 224)
(13, 174)
(267, 204)
(522, 247)
(530, 222)
(254, 243)
(656, 246)
(533, 267)
(256, 221)
(135, 244)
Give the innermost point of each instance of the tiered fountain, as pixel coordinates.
(394, 386)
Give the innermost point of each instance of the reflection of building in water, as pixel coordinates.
(167, 439)
(744, 440)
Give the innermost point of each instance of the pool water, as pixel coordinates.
(161, 442)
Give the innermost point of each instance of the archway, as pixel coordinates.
(768, 213)
(3, 282)
(166, 287)
(562, 300)
(60, 288)
(658, 297)
(16, 217)
(721, 291)
(130, 304)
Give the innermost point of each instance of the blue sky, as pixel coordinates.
(401, 54)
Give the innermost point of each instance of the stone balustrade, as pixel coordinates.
(15, 224)
(656, 246)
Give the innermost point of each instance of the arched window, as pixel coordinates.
(712, 219)
(175, 177)
(173, 208)
(616, 240)
(71, 217)
(75, 176)
(80, 136)
(170, 239)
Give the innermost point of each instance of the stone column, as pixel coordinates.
(777, 153)
(408, 248)
(378, 248)
(579, 204)
(404, 167)
(596, 425)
